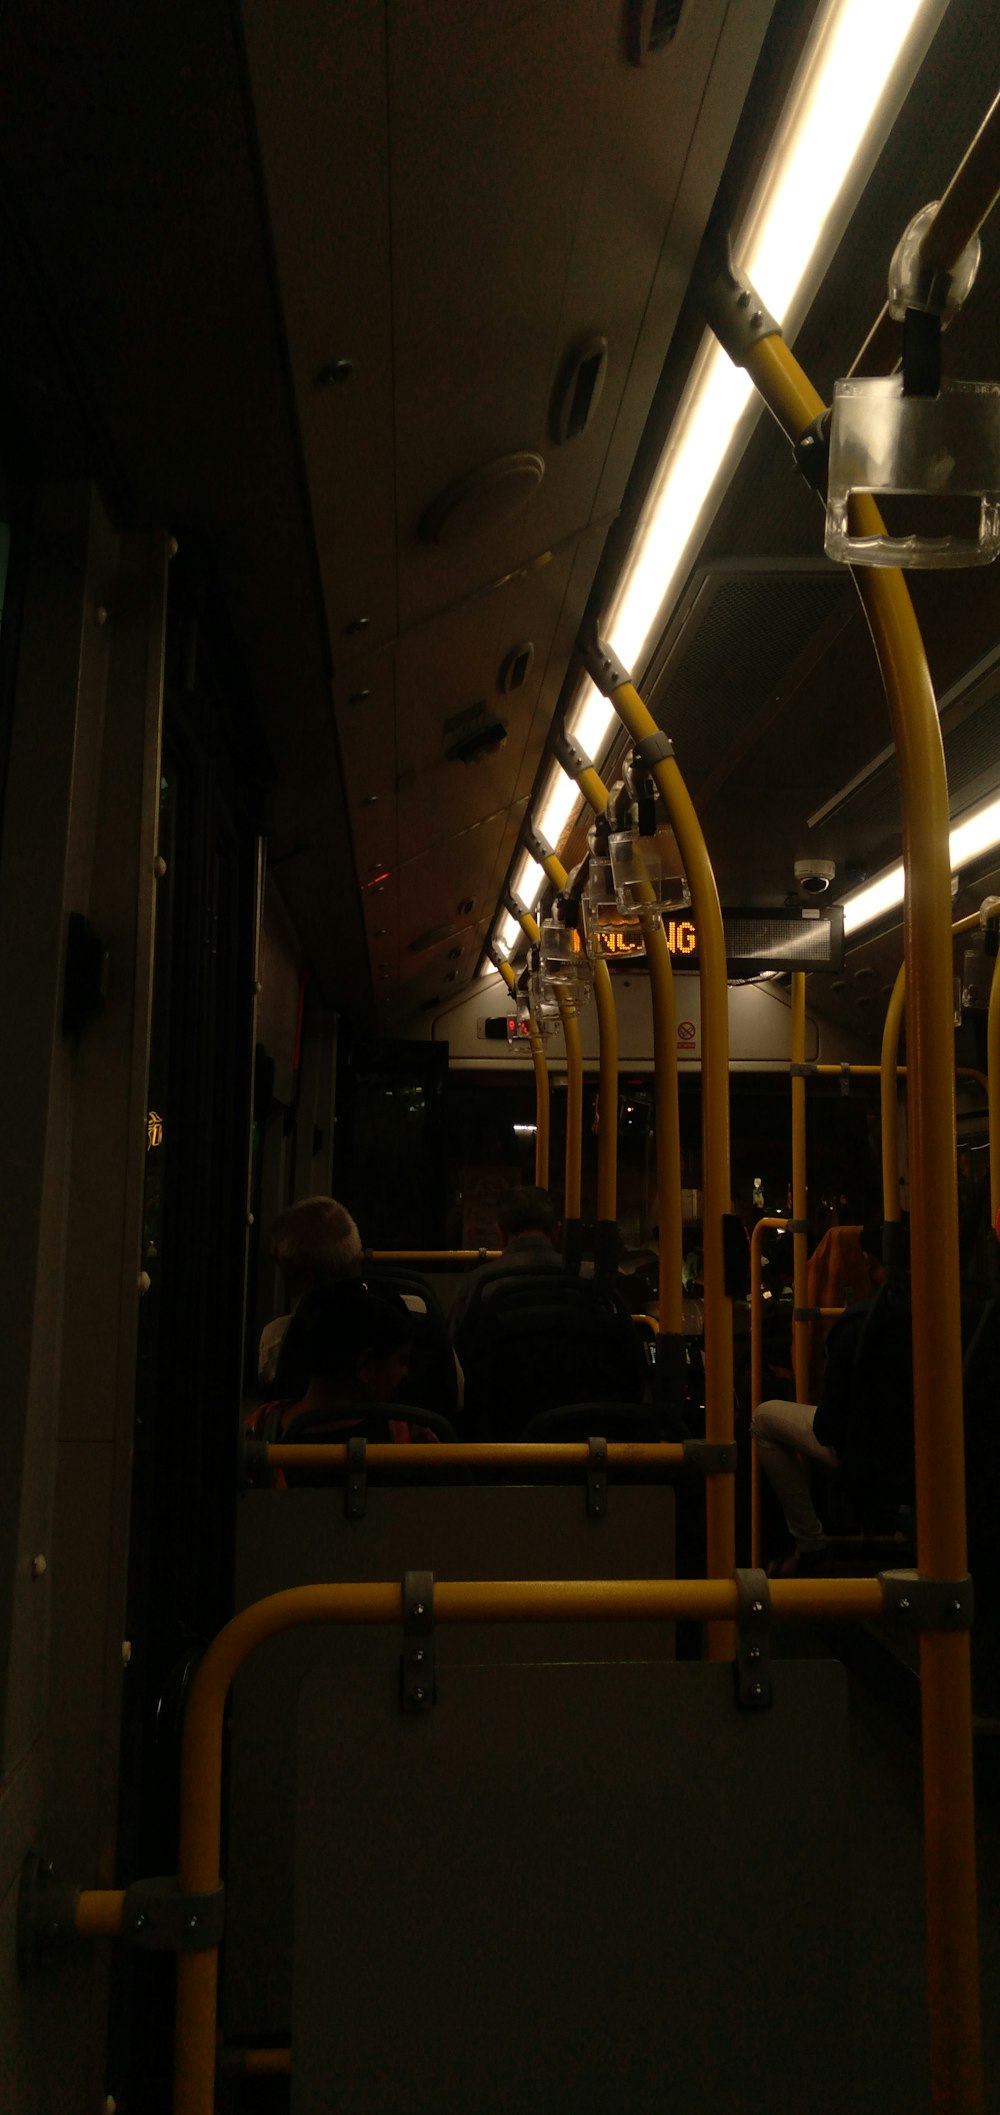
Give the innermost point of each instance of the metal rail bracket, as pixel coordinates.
(653, 748)
(417, 1682)
(597, 1478)
(927, 1604)
(752, 1667)
(356, 1479)
(709, 1458)
(158, 1917)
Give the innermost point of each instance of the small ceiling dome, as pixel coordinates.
(483, 500)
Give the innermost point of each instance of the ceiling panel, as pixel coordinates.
(319, 88)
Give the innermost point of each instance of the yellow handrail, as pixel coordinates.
(715, 1601)
(431, 1255)
(949, 1833)
(721, 1510)
(607, 1096)
(993, 1088)
(574, 1109)
(800, 1242)
(892, 1210)
(762, 1227)
(480, 1454)
(541, 1070)
(670, 1235)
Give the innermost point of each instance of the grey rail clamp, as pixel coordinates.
(752, 1666)
(597, 1478)
(417, 1684)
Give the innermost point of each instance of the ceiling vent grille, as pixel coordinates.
(650, 26)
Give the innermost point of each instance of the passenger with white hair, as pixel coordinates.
(314, 1242)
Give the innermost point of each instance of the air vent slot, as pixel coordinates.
(578, 390)
(514, 667)
(650, 26)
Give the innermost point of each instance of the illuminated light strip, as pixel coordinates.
(978, 833)
(854, 53)
(528, 882)
(856, 67)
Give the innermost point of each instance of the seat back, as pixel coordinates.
(431, 1381)
(290, 1538)
(534, 1341)
(613, 1421)
(878, 1455)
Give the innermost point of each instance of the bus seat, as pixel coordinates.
(877, 1467)
(839, 1273)
(613, 1421)
(432, 1378)
(525, 1896)
(537, 1341)
(289, 1538)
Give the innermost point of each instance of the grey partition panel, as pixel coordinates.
(582, 1888)
(290, 1538)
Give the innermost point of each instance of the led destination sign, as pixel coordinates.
(794, 936)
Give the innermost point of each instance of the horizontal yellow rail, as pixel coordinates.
(99, 1912)
(431, 1255)
(483, 1454)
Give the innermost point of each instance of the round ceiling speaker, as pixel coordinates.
(483, 500)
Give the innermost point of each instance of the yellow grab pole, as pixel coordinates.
(800, 1241)
(555, 872)
(891, 1207)
(670, 1235)
(574, 1109)
(538, 1059)
(670, 1229)
(756, 1372)
(946, 1700)
(721, 1507)
(540, 1064)
(993, 1088)
(607, 1096)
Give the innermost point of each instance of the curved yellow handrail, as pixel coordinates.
(946, 1699)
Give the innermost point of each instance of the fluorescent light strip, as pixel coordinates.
(528, 882)
(978, 833)
(854, 53)
(855, 69)
(555, 805)
(508, 932)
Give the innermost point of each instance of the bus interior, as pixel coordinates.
(499, 692)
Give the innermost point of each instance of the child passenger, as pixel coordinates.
(355, 1347)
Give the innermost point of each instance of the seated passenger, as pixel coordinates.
(790, 1436)
(528, 1231)
(356, 1346)
(315, 1242)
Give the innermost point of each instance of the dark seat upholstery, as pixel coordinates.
(534, 1341)
(877, 1463)
(611, 1421)
(431, 1382)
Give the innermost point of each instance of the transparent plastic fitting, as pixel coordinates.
(627, 894)
(914, 284)
(527, 1011)
(944, 447)
(543, 998)
(564, 961)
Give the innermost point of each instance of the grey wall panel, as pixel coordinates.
(288, 1538)
(580, 1888)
